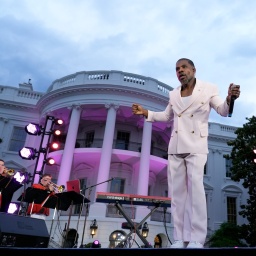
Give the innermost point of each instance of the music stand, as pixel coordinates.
(7, 188)
(10, 184)
(34, 196)
(62, 201)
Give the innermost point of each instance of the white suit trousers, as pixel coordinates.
(188, 202)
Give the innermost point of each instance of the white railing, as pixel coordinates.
(68, 80)
(29, 94)
(133, 79)
(111, 77)
(104, 76)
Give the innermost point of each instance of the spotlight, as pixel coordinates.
(57, 132)
(58, 122)
(13, 208)
(96, 244)
(28, 153)
(50, 161)
(54, 145)
(19, 177)
(33, 129)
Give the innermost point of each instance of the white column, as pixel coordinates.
(3, 129)
(143, 178)
(106, 151)
(68, 152)
(2, 125)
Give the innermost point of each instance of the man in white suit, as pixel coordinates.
(189, 108)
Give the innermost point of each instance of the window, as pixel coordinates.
(83, 183)
(117, 185)
(231, 209)
(122, 140)
(17, 139)
(89, 137)
(78, 207)
(228, 167)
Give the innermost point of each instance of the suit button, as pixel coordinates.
(179, 115)
(192, 132)
(202, 102)
(176, 131)
(192, 115)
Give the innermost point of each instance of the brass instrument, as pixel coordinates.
(9, 172)
(57, 188)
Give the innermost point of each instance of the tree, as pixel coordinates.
(228, 235)
(244, 169)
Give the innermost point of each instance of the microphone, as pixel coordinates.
(232, 101)
(231, 105)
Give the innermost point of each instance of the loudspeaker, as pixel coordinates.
(20, 231)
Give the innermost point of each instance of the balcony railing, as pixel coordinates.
(130, 146)
(112, 77)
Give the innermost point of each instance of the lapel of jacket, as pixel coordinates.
(176, 100)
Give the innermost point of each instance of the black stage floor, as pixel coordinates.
(127, 252)
(24, 235)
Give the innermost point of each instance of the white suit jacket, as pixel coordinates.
(190, 119)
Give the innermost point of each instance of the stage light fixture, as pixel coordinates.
(58, 121)
(13, 208)
(49, 161)
(96, 244)
(28, 153)
(33, 129)
(57, 132)
(19, 177)
(54, 145)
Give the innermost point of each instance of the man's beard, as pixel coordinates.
(185, 82)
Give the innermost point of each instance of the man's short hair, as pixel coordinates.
(188, 60)
(46, 174)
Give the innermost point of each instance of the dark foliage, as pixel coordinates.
(244, 169)
(228, 235)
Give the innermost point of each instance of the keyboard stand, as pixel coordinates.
(135, 227)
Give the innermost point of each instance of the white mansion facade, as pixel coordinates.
(102, 140)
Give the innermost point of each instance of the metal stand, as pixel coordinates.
(85, 218)
(135, 228)
(87, 208)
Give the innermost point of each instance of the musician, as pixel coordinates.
(2, 169)
(37, 210)
(5, 193)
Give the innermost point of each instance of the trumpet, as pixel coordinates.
(57, 188)
(9, 172)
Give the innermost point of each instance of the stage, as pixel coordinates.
(30, 236)
(128, 252)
